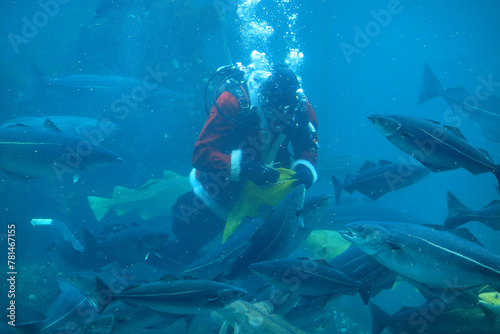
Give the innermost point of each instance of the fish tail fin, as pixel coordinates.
(431, 87)
(35, 82)
(380, 319)
(338, 189)
(456, 210)
(104, 294)
(364, 290)
(99, 205)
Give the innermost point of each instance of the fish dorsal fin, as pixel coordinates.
(120, 191)
(384, 163)
(19, 125)
(368, 165)
(48, 125)
(485, 153)
(455, 131)
(465, 234)
(432, 121)
(168, 278)
(434, 227)
(492, 204)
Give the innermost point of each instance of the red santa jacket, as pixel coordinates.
(244, 133)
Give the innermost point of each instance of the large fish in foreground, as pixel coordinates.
(375, 181)
(153, 199)
(309, 278)
(482, 107)
(425, 255)
(86, 127)
(439, 148)
(459, 214)
(274, 238)
(458, 316)
(176, 296)
(27, 153)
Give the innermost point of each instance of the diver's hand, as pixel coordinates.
(303, 176)
(258, 173)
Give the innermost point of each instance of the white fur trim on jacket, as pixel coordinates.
(201, 193)
(235, 165)
(309, 165)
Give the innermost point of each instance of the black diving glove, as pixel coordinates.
(303, 176)
(258, 173)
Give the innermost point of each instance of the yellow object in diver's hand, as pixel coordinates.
(254, 196)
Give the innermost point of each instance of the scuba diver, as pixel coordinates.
(254, 121)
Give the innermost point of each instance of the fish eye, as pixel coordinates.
(497, 296)
(360, 228)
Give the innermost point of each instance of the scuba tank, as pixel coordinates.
(228, 75)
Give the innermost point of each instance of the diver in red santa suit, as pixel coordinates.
(254, 125)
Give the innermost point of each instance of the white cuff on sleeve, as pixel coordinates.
(236, 165)
(309, 165)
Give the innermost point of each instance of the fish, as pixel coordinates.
(70, 310)
(220, 257)
(491, 301)
(254, 197)
(62, 229)
(439, 148)
(435, 316)
(348, 211)
(90, 128)
(363, 268)
(482, 109)
(309, 278)
(272, 240)
(116, 280)
(314, 207)
(325, 244)
(434, 258)
(459, 214)
(119, 318)
(175, 296)
(247, 318)
(155, 198)
(28, 153)
(103, 92)
(375, 181)
(127, 246)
